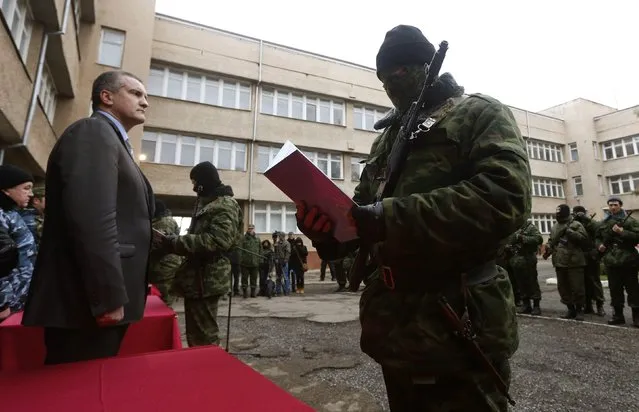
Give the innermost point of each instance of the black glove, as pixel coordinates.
(371, 226)
(162, 243)
(316, 225)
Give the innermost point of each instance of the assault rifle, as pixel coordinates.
(516, 248)
(610, 241)
(397, 158)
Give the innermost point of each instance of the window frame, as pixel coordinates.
(25, 26)
(269, 208)
(103, 30)
(306, 100)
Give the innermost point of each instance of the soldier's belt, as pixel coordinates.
(405, 277)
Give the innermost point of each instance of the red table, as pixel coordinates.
(194, 380)
(23, 347)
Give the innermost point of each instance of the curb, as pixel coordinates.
(553, 281)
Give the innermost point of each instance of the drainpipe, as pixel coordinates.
(254, 137)
(38, 80)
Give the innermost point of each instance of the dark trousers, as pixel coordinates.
(620, 279)
(527, 281)
(74, 345)
(340, 274)
(236, 271)
(594, 289)
(570, 284)
(263, 276)
(331, 267)
(298, 276)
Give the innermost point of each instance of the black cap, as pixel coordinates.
(578, 209)
(12, 176)
(404, 46)
(160, 208)
(205, 175)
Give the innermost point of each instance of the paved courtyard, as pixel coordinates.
(309, 345)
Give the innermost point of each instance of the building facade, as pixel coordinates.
(234, 100)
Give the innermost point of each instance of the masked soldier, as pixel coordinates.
(522, 247)
(216, 228)
(617, 236)
(464, 188)
(250, 259)
(592, 271)
(162, 267)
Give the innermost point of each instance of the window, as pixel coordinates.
(77, 15)
(625, 147)
(548, 188)
(601, 184)
(595, 150)
(329, 163)
(579, 187)
(543, 222)
(111, 47)
(357, 167)
(574, 153)
(18, 17)
(365, 117)
(297, 106)
(198, 88)
(265, 155)
(549, 152)
(187, 151)
(269, 217)
(619, 185)
(48, 94)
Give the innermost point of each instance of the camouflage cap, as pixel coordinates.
(38, 191)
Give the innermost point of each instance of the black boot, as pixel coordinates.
(253, 292)
(526, 308)
(588, 309)
(617, 316)
(635, 317)
(244, 293)
(536, 310)
(600, 309)
(579, 313)
(571, 313)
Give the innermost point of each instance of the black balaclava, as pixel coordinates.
(563, 213)
(206, 178)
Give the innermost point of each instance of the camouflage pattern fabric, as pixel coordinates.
(566, 243)
(250, 243)
(464, 189)
(34, 221)
(523, 261)
(162, 268)
(201, 321)
(15, 287)
(621, 251)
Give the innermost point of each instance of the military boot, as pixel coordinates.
(571, 313)
(244, 293)
(635, 317)
(579, 313)
(536, 310)
(617, 316)
(253, 292)
(526, 308)
(588, 309)
(600, 309)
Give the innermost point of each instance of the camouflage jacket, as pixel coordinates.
(34, 221)
(464, 189)
(620, 248)
(162, 266)
(567, 242)
(283, 251)
(524, 244)
(591, 226)
(253, 244)
(215, 229)
(14, 288)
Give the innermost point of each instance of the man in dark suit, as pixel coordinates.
(90, 282)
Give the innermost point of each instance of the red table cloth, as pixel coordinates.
(194, 380)
(23, 347)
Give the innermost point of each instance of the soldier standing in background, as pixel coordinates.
(522, 247)
(282, 256)
(236, 271)
(33, 215)
(592, 271)
(250, 261)
(567, 240)
(463, 189)
(216, 228)
(162, 267)
(503, 259)
(617, 236)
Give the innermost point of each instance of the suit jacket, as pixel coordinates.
(96, 239)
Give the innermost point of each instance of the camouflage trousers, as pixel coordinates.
(570, 284)
(592, 279)
(201, 321)
(527, 281)
(472, 393)
(249, 275)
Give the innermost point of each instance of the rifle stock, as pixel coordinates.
(397, 157)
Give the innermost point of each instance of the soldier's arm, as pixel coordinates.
(532, 237)
(221, 235)
(630, 232)
(576, 233)
(482, 210)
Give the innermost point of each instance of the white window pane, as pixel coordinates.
(291, 223)
(311, 113)
(358, 119)
(262, 161)
(282, 104)
(325, 111)
(148, 150)
(228, 97)
(193, 87)
(267, 102)
(338, 114)
(323, 165)
(276, 220)
(245, 97)
(240, 157)
(211, 92)
(224, 155)
(298, 107)
(259, 220)
(207, 154)
(174, 88)
(336, 169)
(168, 149)
(187, 151)
(156, 82)
(369, 118)
(111, 55)
(625, 186)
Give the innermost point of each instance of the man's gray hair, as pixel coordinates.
(111, 81)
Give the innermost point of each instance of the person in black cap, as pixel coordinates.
(567, 239)
(465, 187)
(592, 271)
(217, 226)
(617, 238)
(15, 193)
